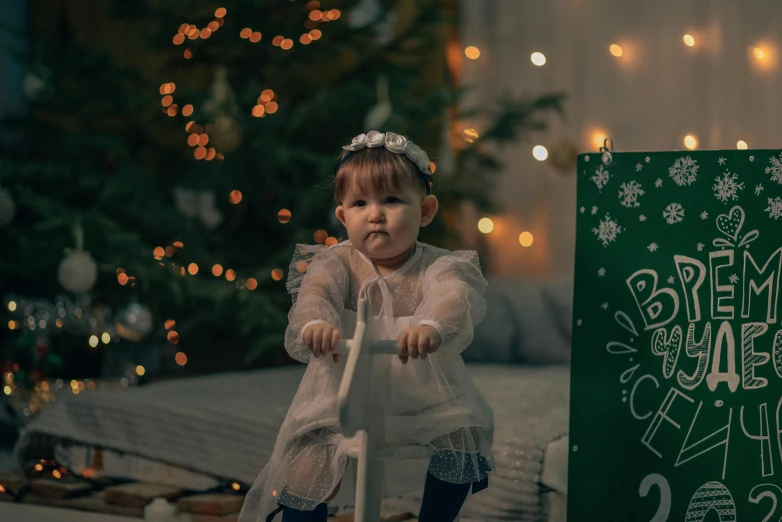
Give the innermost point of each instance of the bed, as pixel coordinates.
(197, 432)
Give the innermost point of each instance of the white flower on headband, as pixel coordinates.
(376, 139)
(396, 143)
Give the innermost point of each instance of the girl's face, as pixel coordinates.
(384, 225)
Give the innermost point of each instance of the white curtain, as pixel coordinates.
(720, 91)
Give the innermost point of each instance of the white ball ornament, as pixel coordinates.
(78, 272)
(134, 322)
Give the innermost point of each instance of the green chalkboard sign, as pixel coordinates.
(676, 385)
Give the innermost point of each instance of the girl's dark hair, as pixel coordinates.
(375, 169)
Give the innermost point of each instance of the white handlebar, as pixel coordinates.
(375, 347)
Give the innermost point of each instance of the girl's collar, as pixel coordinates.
(399, 271)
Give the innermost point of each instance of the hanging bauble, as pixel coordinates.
(78, 272)
(564, 155)
(227, 134)
(7, 207)
(221, 107)
(134, 322)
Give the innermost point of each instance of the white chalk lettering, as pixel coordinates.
(724, 336)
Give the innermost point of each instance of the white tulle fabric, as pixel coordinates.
(431, 403)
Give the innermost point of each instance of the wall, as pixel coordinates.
(650, 98)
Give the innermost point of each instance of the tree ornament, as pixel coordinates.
(564, 155)
(134, 322)
(221, 107)
(78, 272)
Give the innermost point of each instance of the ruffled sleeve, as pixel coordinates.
(453, 302)
(318, 284)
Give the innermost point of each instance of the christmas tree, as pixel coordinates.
(173, 153)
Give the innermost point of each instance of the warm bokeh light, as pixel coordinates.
(210, 154)
(255, 37)
(691, 142)
(169, 324)
(330, 241)
(93, 341)
(258, 111)
(158, 253)
(192, 269)
(230, 274)
(11, 306)
(180, 358)
(235, 486)
(205, 33)
(187, 110)
(252, 283)
(167, 100)
(277, 274)
(485, 225)
(140, 370)
(235, 197)
(179, 39)
(301, 266)
(106, 338)
(538, 59)
(192, 140)
(277, 40)
(284, 215)
(759, 53)
(271, 107)
(287, 44)
(266, 96)
(315, 14)
(188, 54)
(220, 12)
(316, 34)
(199, 153)
(616, 50)
(320, 236)
(172, 337)
(472, 52)
(203, 139)
(525, 239)
(598, 137)
(246, 32)
(539, 152)
(470, 135)
(172, 110)
(305, 39)
(122, 279)
(689, 40)
(217, 270)
(741, 145)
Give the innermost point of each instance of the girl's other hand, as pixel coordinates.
(322, 338)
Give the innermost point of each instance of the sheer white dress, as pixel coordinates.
(430, 403)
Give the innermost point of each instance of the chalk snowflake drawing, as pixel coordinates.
(700, 247)
(774, 208)
(758, 189)
(652, 247)
(721, 161)
(594, 210)
(775, 169)
(673, 213)
(607, 231)
(601, 177)
(639, 167)
(630, 193)
(641, 218)
(704, 215)
(733, 278)
(658, 183)
(684, 171)
(671, 280)
(601, 272)
(726, 187)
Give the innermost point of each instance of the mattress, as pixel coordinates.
(190, 431)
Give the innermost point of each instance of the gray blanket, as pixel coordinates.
(225, 425)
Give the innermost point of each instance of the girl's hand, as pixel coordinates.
(322, 338)
(417, 341)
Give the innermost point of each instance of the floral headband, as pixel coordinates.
(397, 144)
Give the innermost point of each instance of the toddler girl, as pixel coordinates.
(428, 299)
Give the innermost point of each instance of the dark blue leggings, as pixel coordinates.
(441, 503)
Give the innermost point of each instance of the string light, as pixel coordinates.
(691, 142)
(689, 40)
(192, 269)
(246, 32)
(485, 225)
(277, 40)
(538, 59)
(180, 358)
(284, 215)
(106, 338)
(286, 44)
(220, 12)
(598, 137)
(217, 270)
(539, 152)
(230, 274)
(255, 37)
(315, 15)
(140, 370)
(172, 337)
(235, 197)
(616, 50)
(11, 306)
(470, 135)
(169, 324)
(320, 236)
(316, 34)
(305, 39)
(741, 145)
(330, 241)
(158, 253)
(252, 284)
(472, 52)
(277, 274)
(525, 239)
(759, 53)
(93, 341)
(188, 54)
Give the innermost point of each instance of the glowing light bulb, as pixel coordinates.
(106, 338)
(540, 153)
(759, 53)
(485, 225)
(93, 341)
(525, 239)
(741, 144)
(691, 142)
(689, 40)
(472, 52)
(11, 306)
(538, 58)
(140, 370)
(616, 50)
